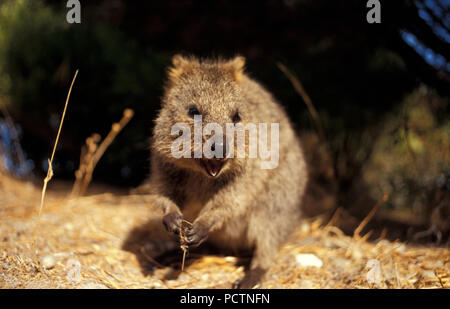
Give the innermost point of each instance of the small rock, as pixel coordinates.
(401, 248)
(68, 227)
(357, 254)
(384, 243)
(230, 259)
(157, 285)
(48, 262)
(428, 274)
(306, 284)
(308, 260)
(304, 228)
(5, 266)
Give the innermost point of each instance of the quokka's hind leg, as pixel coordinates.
(264, 255)
(267, 230)
(262, 260)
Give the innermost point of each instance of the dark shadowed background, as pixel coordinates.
(381, 90)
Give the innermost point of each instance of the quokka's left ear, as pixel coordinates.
(237, 65)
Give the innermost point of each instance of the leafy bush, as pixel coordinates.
(40, 51)
(411, 158)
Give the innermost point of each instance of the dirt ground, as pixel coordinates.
(109, 241)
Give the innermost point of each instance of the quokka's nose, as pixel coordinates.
(218, 148)
(219, 145)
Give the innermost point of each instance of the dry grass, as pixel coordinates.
(107, 241)
(50, 160)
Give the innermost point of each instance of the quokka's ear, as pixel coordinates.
(178, 60)
(237, 66)
(180, 65)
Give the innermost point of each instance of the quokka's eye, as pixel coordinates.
(193, 111)
(236, 117)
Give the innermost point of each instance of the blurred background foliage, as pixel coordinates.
(411, 157)
(39, 53)
(381, 90)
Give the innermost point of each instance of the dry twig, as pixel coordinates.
(369, 216)
(183, 240)
(50, 161)
(319, 127)
(92, 152)
(301, 91)
(87, 152)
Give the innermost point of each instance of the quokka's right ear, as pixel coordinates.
(237, 67)
(179, 66)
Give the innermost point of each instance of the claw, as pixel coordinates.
(172, 222)
(196, 234)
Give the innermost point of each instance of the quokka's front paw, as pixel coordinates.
(172, 222)
(196, 234)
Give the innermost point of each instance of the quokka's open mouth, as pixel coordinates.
(213, 166)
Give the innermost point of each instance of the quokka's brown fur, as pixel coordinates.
(244, 206)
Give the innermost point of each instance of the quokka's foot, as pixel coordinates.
(250, 280)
